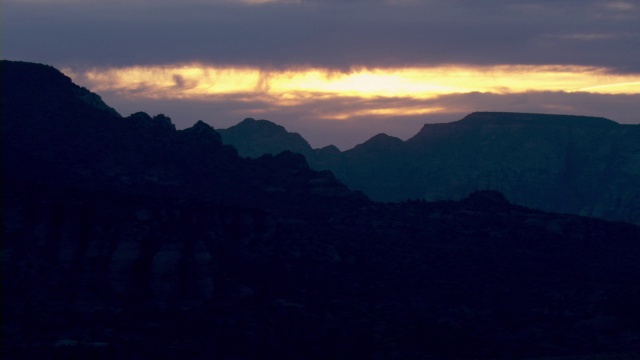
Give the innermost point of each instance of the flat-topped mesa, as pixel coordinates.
(509, 118)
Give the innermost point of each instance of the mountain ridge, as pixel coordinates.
(126, 238)
(562, 163)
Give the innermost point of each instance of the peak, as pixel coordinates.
(252, 121)
(263, 127)
(383, 139)
(497, 118)
(46, 84)
(202, 126)
(202, 130)
(330, 149)
(380, 143)
(254, 138)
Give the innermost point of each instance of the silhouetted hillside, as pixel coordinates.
(569, 164)
(123, 238)
(66, 139)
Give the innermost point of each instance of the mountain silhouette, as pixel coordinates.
(254, 138)
(123, 237)
(570, 164)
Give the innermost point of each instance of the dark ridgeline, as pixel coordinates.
(125, 238)
(569, 164)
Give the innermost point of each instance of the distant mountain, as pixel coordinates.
(124, 238)
(254, 138)
(569, 164)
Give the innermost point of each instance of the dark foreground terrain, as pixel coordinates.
(123, 238)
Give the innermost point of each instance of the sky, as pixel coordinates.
(338, 71)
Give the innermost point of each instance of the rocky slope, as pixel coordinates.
(124, 238)
(569, 164)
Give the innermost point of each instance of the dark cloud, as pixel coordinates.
(333, 34)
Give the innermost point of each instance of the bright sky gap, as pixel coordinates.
(296, 86)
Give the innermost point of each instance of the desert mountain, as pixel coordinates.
(124, 238)
(254, 138)
(569, 164)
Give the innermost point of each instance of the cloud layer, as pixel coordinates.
(328, 34)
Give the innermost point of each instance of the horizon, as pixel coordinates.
(338, 72)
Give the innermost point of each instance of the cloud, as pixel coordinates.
(620, 6)
(297, 84)
(331, 34)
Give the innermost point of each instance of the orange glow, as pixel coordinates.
(285, 88)
(401, 111)
(619, 88)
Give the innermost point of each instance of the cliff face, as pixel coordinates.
(124, 238)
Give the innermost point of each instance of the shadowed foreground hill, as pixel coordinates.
(124, 238)
(570, 164)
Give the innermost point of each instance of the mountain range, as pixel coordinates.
(569, 164)
(125, 238)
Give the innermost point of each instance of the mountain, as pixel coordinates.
(254, 138)
(569, 164)
(125, 238)
(53, 135)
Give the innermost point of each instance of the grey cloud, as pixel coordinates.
(323, 33)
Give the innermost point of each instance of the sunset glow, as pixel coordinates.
(195, 81)
(286, 88)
